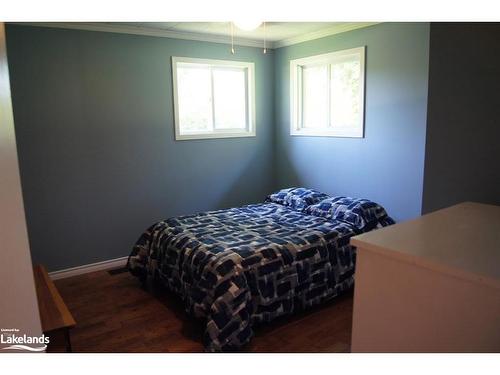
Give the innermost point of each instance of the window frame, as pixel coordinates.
(249, 131)
(296, 94)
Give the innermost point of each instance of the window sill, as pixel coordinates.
(336, 134)
(190, 137)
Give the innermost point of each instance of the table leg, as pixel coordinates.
(68, 341)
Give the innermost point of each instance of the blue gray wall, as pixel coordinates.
(462, 151)
(387, 165)
(99, 164)
(98, 160)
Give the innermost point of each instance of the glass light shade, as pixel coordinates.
(247, 24)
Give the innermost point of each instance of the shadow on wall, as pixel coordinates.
(238, 188)
(463, 115)
(292, 178)
(217, 182)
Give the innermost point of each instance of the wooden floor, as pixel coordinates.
(114, 314)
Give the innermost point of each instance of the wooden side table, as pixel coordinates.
(54, 314)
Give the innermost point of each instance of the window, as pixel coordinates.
(213, 98)
(327, 94)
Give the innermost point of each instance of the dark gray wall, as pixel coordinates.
(387, 164)
(462, 161)
(94, 125)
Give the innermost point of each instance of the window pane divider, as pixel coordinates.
(212, 97)
(247, 102)
(329, 95)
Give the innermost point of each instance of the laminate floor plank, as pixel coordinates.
(114, 314)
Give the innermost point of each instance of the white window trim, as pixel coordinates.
(250, 92)
(295, 88)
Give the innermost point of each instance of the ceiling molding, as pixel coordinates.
(148, 31)
(337, 29)
(204, 37)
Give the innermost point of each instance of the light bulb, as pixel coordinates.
(247, 24)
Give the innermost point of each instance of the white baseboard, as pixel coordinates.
(80, 270)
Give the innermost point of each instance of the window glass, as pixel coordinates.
(345, 94)
(229, 98)
(315, 97)
(194, 96)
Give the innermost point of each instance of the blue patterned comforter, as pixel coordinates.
(240, 266)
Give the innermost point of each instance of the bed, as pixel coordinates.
(241, 266)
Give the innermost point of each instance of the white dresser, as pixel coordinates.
(431, 284)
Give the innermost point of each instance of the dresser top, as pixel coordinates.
(463, 240)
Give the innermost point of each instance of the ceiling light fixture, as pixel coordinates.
(247, 24)
(265, 37)
(232, 38)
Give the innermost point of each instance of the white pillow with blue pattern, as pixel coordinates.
(362, 214)
(297, 198)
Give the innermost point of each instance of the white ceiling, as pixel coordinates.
(274, 31)
(277, 34)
